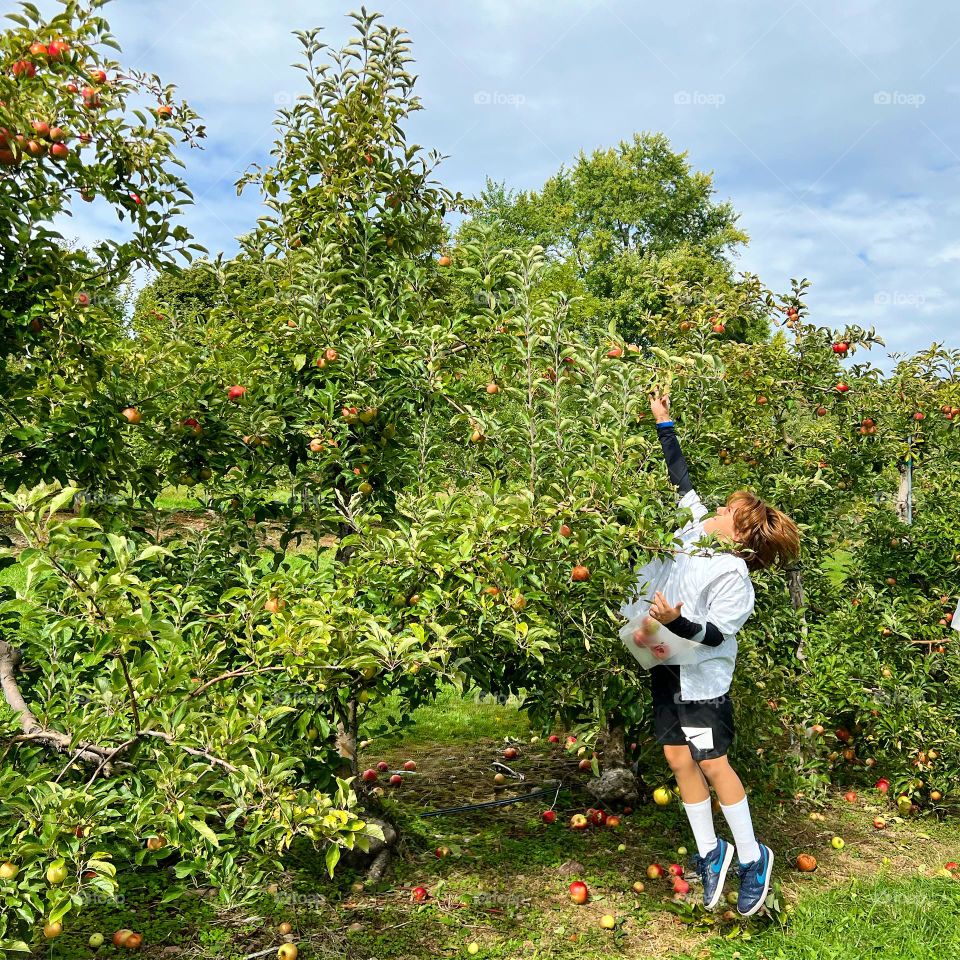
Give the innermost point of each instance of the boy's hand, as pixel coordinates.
(660, 407)
(661, 610)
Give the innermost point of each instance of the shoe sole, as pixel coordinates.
(766, 890)
(727, 860)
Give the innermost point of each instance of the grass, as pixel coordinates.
(504, 883)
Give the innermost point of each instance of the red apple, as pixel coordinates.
(841, 388)
(883, 785)
(850, 797)
(549, 816)
(553, 738)
(99, 76)
(511, 753)
(579, 892)
(368, 776)
(441, 852)
(879, 823)
(409, 765)
(841, 347)
(584, 765)
(58, 50)
(655, 871)
(395, 780)
(24, 68)
(59, 151)
(383, 766)
(680, 886)
(236, 392)
(613, 821)
(675, 870)
(579, 573)
(579, 822)
(419, 894)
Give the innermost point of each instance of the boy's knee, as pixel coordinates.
(711, 768)
(679, 758)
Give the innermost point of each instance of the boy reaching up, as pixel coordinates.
(706, 596)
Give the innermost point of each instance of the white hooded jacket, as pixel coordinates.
(713, 586)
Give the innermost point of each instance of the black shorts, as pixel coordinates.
(705, 726)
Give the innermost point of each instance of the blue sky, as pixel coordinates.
(832, 126)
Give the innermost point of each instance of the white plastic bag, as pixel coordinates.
(653, 644)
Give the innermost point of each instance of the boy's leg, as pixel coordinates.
(735, 806)
(695, 795)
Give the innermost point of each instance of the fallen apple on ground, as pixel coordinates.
(579, 822)
(608, 921)
(419, 894)
(549, 816)
(579, 892)
(806, 863)
(639, 886)
(655, 871)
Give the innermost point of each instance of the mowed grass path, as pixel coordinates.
(504, 884)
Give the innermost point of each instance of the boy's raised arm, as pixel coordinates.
(676, 462)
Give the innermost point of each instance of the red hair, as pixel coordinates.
(767, 535)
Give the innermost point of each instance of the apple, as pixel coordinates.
(366, 488)
(99, 76)
(285, 928)
(806, 863)
(52, 929)
(879, 823)
(837, 843)
(821, 411)
(274, 604)
(38, 49)
(761, 400)
(410, 765)
(369, 776)
(655, 871)
(685, 325)
(36, 149)
(565, 530)
(549, 816)
(883, 784)
(444, 261)
(579, 822)
(56, 873)
(553, 738)
(476, 437)
(41, 128)
(473, 948)
(59, 151)
(951, 866)
(675, 870)
(614, 352)
(579, 892)
(95, 941)
(236, 392)
(613, 821)
(441, 852)
(492, 388)
(841, 347)
(395, 780)
(383, 766)
(8, 871)
(518, 601)
(936, 796)
(662, 796)
(850, 797)
(596, 817)
(156, 843)
(681, 851)
(718, 328)
(511, 753)
(419, 894)
(842, 388)
(639, 886)
(571, 740)
(621, 848)
(24, 68)
(680, 886)
(287, 951)
(579, 573)
(120, 937)
(132, 414)
(608, 921)
(499, 779)
(584, 765)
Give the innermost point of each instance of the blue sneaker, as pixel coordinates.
(755, 882)
(713, 871)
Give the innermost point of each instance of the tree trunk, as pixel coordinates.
(617, 782)
(347, 733)
(613, 743)
(904, 498)
(795, 586)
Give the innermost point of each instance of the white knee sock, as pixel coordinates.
(700, 816)
(741, 826)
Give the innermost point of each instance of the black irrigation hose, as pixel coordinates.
(499, 803)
